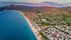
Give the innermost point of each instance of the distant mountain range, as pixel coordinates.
(66, 8)
(39, 7)
(51, 4)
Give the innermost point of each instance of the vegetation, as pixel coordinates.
(62, 18)
(43, 24)
(45, 38)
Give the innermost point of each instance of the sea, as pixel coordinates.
(13, 26)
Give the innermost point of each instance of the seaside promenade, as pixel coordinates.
(36, 33)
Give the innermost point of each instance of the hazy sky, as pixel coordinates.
(57, 1)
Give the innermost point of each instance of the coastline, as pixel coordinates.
(37, 35)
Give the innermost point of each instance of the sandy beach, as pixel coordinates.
(37, 35)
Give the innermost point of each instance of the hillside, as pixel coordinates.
(66, 8)
(54, 15)
(23, 7)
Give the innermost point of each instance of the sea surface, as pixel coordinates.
(13, 26)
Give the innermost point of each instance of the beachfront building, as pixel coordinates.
(55, 33)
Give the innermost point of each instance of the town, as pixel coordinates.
(54, 27)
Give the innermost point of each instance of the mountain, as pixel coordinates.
(12, 3)
(53, 4)
(66, 8)
(41, 9)
(45, 3)
(37, 8)
(15, 7)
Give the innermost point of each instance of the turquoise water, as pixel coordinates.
(13, 26)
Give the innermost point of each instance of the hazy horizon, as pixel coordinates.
(37, 1)
(62, 2)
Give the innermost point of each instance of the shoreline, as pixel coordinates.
(37, 35)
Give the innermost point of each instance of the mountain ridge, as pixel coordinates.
(50, 4)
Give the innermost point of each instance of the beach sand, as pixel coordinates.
(37, 35)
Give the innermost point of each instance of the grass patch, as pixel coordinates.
(43, 24)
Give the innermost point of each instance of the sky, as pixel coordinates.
(36, 1)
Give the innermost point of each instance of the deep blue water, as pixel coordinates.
(13, 26)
